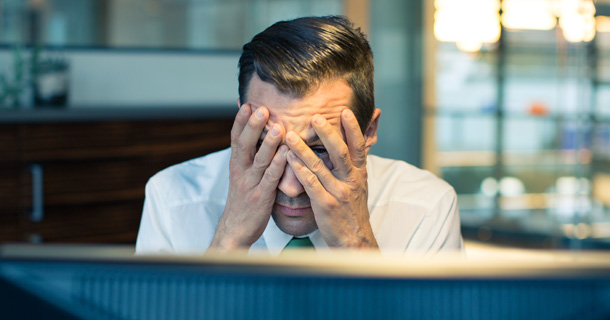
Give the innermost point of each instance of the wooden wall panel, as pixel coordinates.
(187, 138)
(9, 181)
(10, 208)
(9, 191)
(9, 137)
(94, 174)
(91, 182)
(107, 223)
(79, 141)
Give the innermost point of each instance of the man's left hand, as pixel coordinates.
(338, 195)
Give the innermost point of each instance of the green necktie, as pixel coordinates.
(299, 243)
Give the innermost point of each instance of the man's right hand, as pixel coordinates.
(254, 177)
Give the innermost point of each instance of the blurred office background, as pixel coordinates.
(509, 101)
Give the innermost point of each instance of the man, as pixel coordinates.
(298, 166)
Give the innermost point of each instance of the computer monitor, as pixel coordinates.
(104, 282)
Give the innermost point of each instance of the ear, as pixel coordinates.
(238, 103)
(370, 135)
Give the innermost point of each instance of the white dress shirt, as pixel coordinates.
(411, 210)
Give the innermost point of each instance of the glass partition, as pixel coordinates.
(522, 129)
(206, 24)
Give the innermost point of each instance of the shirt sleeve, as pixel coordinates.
(448, 233)
(153, 236)
(439, 231)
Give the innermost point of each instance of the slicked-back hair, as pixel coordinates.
(297, 56)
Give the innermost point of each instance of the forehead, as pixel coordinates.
(295, 114)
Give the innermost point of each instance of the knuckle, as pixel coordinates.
(234, 171)
(331, 204)
(235, 135)
(349, 171)
(271, 176)
(318, 166)
(270, 142)
(258, 163)
(360, 146)
(356, 189)
(343, 194)
(238, 126)
(248, 181)
(356, 182)
(343, 154)
(364, 174)
(239, 123)
(311, 180)
(241, 144)
(255, 196)
(278, 164)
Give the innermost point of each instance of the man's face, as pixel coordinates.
(292, 210)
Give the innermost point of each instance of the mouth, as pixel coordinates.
(293, 212)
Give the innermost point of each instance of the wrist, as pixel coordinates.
(225, 240)
(362, 239)
(368, 237)
(353, 240)
(221, 244)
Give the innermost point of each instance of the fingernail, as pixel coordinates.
(348, 114)
(259, 113)
(275, 131)
(320, 120)
(291, 155)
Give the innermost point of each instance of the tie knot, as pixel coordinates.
(299, 243)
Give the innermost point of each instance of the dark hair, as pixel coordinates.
(296, 56)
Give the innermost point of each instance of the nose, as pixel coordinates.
(289, 184)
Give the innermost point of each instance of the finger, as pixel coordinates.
(274, 171)
(241, 119)
(310, 181)
(336, 147)
(266, 152)
(246, 143)
(310, 159)
(355, 140)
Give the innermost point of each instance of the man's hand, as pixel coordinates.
(254, 176)
(338, 196)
